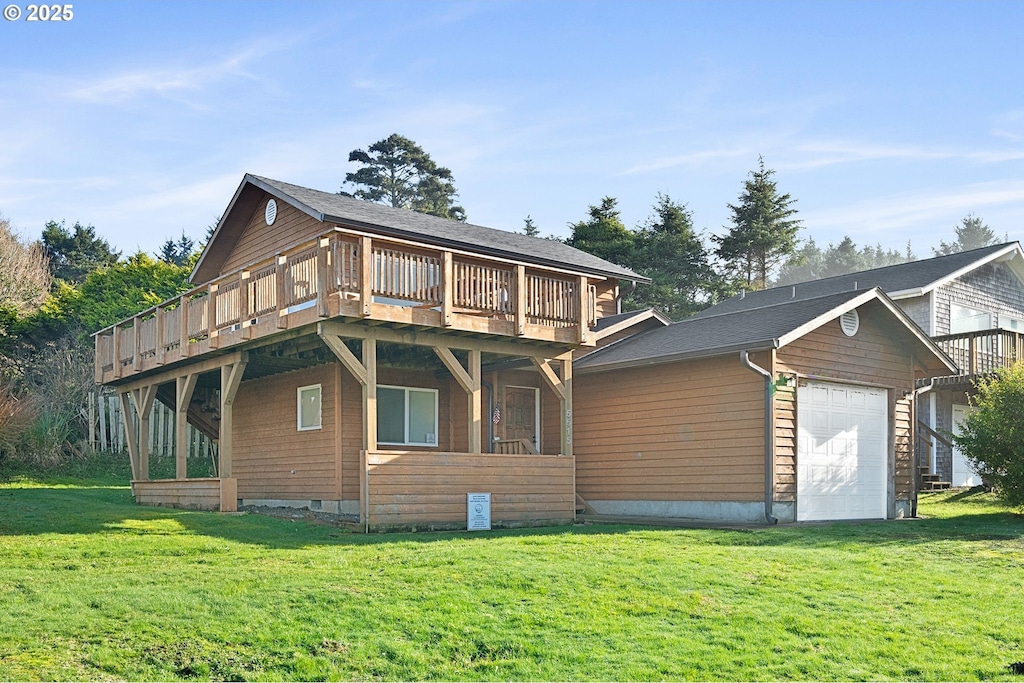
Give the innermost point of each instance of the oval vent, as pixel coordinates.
(271, 213)
(850, 322)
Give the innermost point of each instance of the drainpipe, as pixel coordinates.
(618, 299)
(917, 469)
(769, 437)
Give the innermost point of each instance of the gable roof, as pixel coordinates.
(610, 324)
(755, 329)
(328, 207)
(900, 281)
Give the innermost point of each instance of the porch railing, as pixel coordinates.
(346, 264)
(983, 351)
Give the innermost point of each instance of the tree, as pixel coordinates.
(24, 272)
(992, 437)
(604, 235)
(810, 262)
(397, 172)
(670, 252)
(972, 233)
(529, 229)
(179, 252)
(77, 252)
(763, 231)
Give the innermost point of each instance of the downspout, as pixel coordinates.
(917, 469)
(769, 438)
(618, 299)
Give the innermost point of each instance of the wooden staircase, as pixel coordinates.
(203, 412)
(932, 482)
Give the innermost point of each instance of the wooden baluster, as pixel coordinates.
(281, 302)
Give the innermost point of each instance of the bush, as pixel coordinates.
(992, 437)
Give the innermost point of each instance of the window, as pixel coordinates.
(309, 408)
(1008, 323)
(406, 416)
(964, 319)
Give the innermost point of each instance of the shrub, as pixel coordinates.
(992, 437)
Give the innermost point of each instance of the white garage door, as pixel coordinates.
(841, 454)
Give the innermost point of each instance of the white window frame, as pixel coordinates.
(1011, 323)
(298, 408)
(407, 390)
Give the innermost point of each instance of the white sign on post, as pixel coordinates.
(478, 511)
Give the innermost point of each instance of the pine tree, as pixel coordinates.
(604, 235)
(972, 233)
(763, 232)
(529, 229)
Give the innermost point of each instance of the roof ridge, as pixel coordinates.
(860, 290)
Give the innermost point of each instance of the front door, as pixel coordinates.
(521, 416)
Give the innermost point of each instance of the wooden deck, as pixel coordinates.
(351, 275)
(983, 351)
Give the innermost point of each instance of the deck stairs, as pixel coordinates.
(932, 482)
(203, 412)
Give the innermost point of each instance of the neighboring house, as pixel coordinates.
(793, 410)
(970, 303)
(361, 360)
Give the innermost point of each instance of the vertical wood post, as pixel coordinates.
(98, 358)
(448, 288)
(475, 403)
(520, 300)
(144, 399)
(91, 401)
(566, 403)
(230, 379)
(282, 298)
(211, 315)
(184, 387)
(583, 304)
(137, 335)
(129, 431)
(322, 278)
(117, 351)
(183, 325)
(365, 276)
(161, 348)
(972, 363)
(245, 304)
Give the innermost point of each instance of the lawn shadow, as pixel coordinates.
(101, 508)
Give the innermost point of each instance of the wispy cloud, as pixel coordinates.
(816, 155)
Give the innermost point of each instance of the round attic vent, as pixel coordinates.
(271, 213)
(850, 322)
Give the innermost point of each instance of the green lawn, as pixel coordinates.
(94, 587)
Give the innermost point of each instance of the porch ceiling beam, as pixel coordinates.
(468, 383)
(415, 337)
(193, 368)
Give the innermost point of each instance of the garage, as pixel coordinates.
(842, 463)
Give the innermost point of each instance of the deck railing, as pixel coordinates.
(983, 351)
(344, 264)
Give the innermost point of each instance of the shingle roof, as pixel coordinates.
(905, 279)
(754, 329)
(328, 206)
(609, 320)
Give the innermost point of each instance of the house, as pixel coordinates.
(970, 303)
(793, 410)
(356, 359)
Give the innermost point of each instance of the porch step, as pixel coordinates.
(936, 485)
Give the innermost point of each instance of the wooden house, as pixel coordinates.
(792, 410)
(971, 304)
(367, 361)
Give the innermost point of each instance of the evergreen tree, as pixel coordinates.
(810, 262)
(179, 252)
(76, 252)
(763, 232)
(972, 233)
(604, 235)
(397, 172)
(670, 252)
(529, 229)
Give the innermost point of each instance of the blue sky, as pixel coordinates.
(887, 121)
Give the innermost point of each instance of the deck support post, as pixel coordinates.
(143, 398)
(562, 387)
(129, 432)
(230, 379)
(184, 387)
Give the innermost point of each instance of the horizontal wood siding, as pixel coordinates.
(189, 494)
(687, 431)
(351, 435)
(272, 459)
(259, 240)
(429, 489)
(607, 290)
(785, 442)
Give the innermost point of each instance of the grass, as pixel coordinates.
(94, 587)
